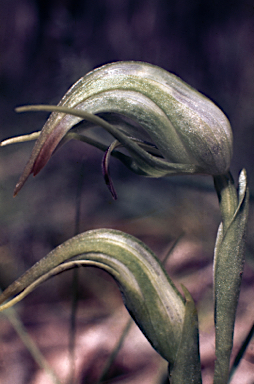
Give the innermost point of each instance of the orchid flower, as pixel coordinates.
(170, 128)
(167, 319)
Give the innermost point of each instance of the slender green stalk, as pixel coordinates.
(228, 267)
(227, 195)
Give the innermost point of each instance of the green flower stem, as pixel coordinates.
(228, 267)
(227, 195)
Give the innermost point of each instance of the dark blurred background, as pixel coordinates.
(45, 46)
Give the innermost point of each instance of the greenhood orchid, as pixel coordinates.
(166, 126)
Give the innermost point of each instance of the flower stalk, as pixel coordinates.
(228, 266)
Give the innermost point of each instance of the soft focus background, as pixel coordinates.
(45, 46)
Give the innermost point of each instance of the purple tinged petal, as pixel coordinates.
(43, 149)
(50, 137)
